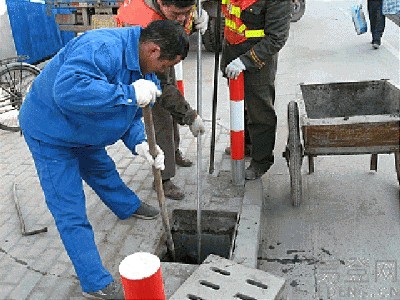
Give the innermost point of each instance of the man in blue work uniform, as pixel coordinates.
(89, 96)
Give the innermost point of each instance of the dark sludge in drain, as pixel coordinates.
(216, 236)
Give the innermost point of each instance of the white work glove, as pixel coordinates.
(197, 126)
(234, 68)
(146, 92)
(201, 23)
(143, 150)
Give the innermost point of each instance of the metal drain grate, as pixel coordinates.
(220, 278)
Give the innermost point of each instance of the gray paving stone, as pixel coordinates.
(17, 170)
(40, 247)
(176, 273)
(129, 245)
(59, 268)
(64, 289)
(5, 290)
(131, 169)
(37, 295)
(45, 284)
(16, 271)
(11, 238)
(47, 259)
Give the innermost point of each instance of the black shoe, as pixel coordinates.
(376, 43)
(146, 212)
(247, 150)
(181, 161)
(112, 291)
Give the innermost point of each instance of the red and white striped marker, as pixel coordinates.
(236, 92)
(179, 77)
(141, 277)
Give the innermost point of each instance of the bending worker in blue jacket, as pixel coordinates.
(89, 96)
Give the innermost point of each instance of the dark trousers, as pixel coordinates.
(167, 137)
(376, 20)
(259, 91)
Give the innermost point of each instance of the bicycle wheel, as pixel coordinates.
(15, 82)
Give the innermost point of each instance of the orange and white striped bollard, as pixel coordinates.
(179, 77)
(236, 92)
(141, 277)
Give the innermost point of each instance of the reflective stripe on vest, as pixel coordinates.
(235, 30)
(258, 33)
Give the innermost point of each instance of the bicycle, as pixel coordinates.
(16, 78)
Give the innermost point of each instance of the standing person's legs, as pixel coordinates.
(177, 138)
(380, 24)
(259, 101)
(372, 17)
(100, 173)
(377, 20)
(163, 126)
(59, 175)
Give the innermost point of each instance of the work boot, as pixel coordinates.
(181, 161)
(112, 291)
(146, 212)
(247, 150)
(171, 190)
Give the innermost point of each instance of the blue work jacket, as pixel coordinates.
(84, 96)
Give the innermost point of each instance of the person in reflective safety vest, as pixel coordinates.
(255, 31)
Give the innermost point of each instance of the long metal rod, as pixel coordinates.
(151, 139)
(199, 148)
(217, 37)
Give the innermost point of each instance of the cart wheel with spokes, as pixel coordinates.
(295, 154)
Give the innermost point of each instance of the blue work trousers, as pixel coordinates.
(61, 170)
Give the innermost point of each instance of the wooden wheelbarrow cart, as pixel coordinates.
(342, 118)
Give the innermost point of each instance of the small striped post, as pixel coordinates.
(179, 77)
(141, 277)
(236, 92)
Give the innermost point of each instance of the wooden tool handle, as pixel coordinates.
(151, 140)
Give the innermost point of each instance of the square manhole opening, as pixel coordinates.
(217, 235)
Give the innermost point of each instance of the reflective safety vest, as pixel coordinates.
(235, 30)
(137, 12)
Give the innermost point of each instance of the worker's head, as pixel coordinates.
(163, 44)
(176, 10)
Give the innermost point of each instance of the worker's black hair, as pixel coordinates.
(178, 3)
(169, 35)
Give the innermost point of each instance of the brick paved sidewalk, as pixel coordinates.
(37, 266)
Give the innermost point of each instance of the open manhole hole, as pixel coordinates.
(218, 233)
